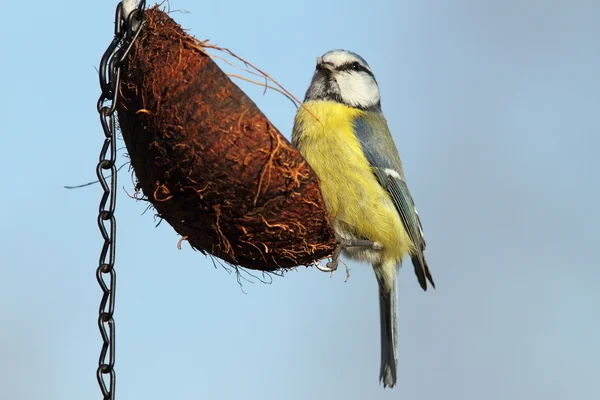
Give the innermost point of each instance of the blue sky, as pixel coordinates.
(494, 108)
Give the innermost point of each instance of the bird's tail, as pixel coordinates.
(386, 278)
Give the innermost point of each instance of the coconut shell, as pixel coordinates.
(210, 162)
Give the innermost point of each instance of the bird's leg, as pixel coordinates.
(335, 259)
(361, 243)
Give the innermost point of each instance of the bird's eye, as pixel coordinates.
(355, 66)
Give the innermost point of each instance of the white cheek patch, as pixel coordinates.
(358, 88)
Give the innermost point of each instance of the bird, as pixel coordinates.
(342, 133)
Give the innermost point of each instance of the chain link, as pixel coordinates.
(126, 31)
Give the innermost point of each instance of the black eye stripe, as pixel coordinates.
(353, 66)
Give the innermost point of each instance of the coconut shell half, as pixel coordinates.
(210, 162)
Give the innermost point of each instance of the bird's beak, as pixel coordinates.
(324, 66)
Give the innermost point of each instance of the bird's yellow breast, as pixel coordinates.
(357, 203)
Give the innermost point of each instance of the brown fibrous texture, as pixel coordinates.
(210, 162)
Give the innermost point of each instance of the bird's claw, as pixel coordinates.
(332, 265)
(329, 267)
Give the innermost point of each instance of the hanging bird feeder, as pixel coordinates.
(210, 162)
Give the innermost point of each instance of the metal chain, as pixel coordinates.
(126, 31)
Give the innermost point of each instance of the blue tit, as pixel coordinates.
(342, 133)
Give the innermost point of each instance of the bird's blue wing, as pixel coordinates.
(377, 144)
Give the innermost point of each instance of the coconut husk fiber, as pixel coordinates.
(210, 162)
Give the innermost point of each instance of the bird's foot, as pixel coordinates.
(332, 265)
(329, 267)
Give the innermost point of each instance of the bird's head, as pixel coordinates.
(344, 77)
